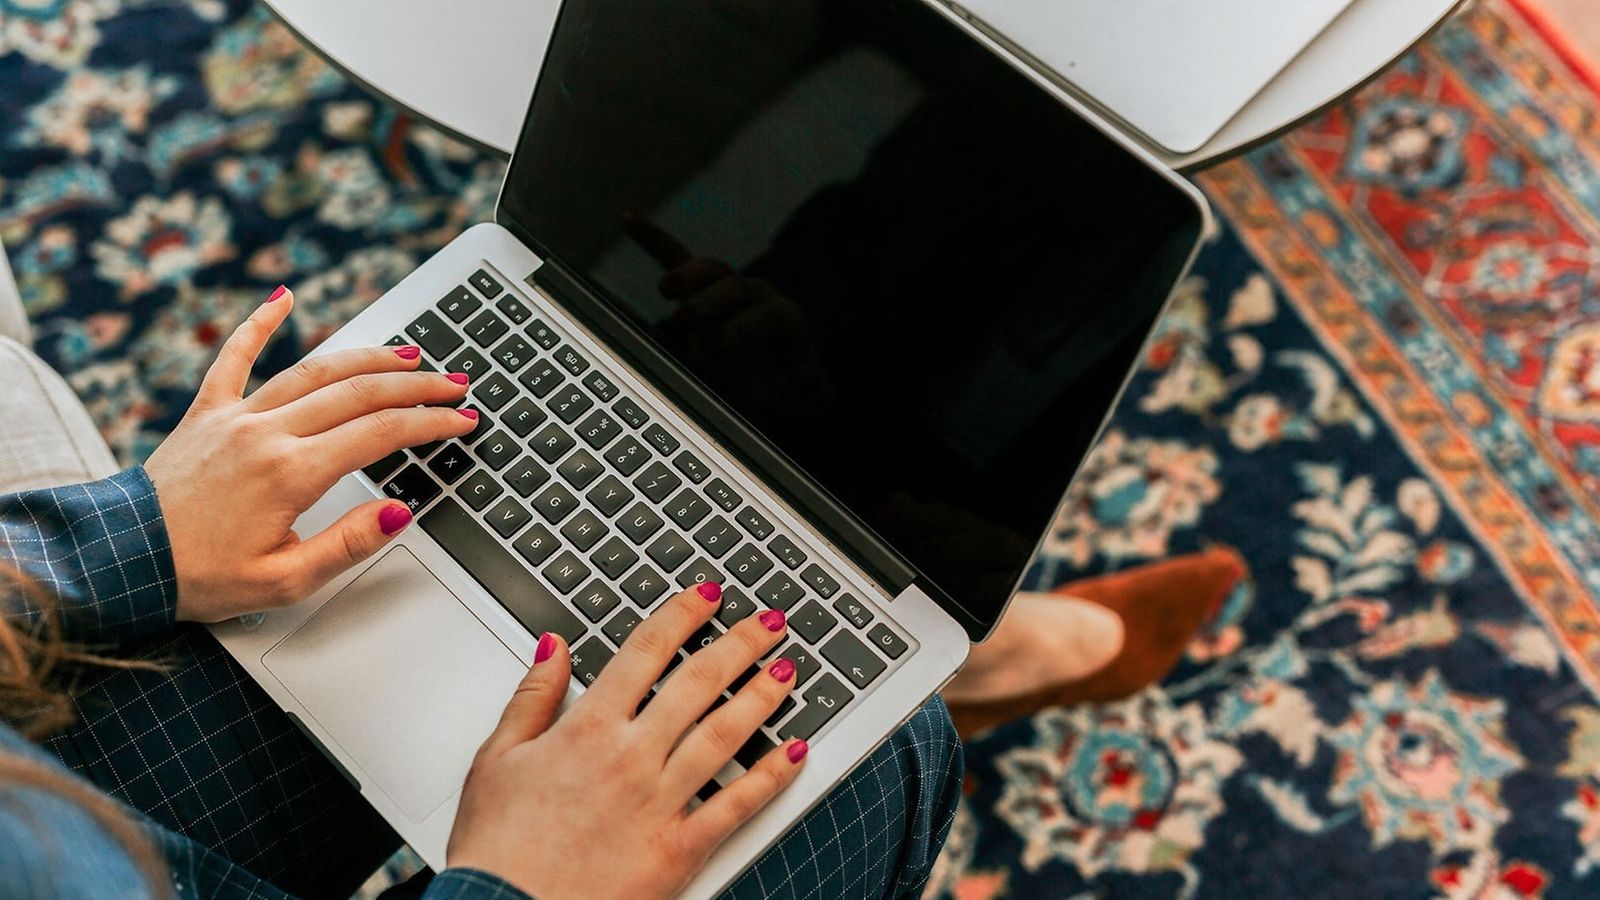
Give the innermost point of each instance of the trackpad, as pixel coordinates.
(403, 676)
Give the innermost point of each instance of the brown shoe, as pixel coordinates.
(1162, 605)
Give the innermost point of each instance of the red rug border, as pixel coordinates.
(1542, 21)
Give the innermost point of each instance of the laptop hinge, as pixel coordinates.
(853, 539)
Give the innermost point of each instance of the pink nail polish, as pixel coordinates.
(546, 648)
(277, 294)
(408, 353)
(393, 519)
(710, 590)
(774, 619)
(458, 377)
(469, 413)
(783, 669)
(798, 751)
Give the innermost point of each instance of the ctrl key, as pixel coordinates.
(412, 487)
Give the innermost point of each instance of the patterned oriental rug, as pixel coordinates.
(1382, 385)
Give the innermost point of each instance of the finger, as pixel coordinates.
(692, 277)
(359, 533)
(699, 682)
(656, 241)
(345, 401)
(707, 827)
(226, 380)
(714, 741)
(315, 372)
(538, 699)
(362, 442)
(646, 652)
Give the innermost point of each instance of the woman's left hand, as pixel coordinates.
(238, 471)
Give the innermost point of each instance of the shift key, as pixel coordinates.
(500, 573)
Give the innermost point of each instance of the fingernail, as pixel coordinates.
(783, 669)
(798, 751)
(394, 519)
(458, 377)
(774, 619)
(408, 352)
(470, 413)
(546, 648)
(277, 293)
(710, 590)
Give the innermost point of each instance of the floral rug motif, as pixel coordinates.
(1382, 385)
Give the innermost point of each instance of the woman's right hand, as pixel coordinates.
(593, 803)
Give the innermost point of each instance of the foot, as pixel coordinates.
(1042, 641)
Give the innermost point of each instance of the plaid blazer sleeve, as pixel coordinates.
(100, 549)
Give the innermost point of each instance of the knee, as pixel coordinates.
(929, 753)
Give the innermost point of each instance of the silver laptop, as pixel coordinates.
(921, 278)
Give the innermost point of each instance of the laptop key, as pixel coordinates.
(555, 503)
(536, 545)
(661, 439)
(644, 587)
(486, 328)
(596, 600)
(754, 750)
(610, 495)
(580, 469)
(566, 572)
(619, 626)
(526, 476)
(784, 708)
(792, 556)
(459, 303)
(589, 659)
(754, 522)
(508, 516)
(805, 661)
(812, 622)
(748, 565)
(569, 403)
(780, 592)
(412, 487)
(687, 509)
(500, 573)
(513, 353)
(513, 309)
(479, 430)
(699, 572)
(854, 611)
(691, 467)
(631, 413)
(717, 537)
(452, 463)
(541, 378)
(432, 335)
(584, 530)
(495, 392)
(572, 360)
(703, 637)
(820, 581)
(602, 387)
(485, 284)
(670, 551)
(614, 558)
(523, 417)
(887, 641)
(628, 455)
(542, 335)
(385, 467)
(656, 482)
(497, 449)
(724, 496)
(479, 491)
(552, 442)
(736, 606)
(852, 657)
(639, 523)
(468, 362)
(823, 702)
(599, 429)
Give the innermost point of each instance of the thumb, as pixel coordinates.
(538, 699)
(357, 535)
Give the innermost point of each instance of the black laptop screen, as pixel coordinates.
(910, 267)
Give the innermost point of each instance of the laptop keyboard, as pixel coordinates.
(579, 508)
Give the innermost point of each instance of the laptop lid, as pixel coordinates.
(883, 266)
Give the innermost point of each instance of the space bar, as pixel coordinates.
(499, 572)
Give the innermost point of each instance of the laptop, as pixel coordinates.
(937, 271)
(1175, 71)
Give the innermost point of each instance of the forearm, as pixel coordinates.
(98, 552)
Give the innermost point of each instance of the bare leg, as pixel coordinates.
(1043, 640)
